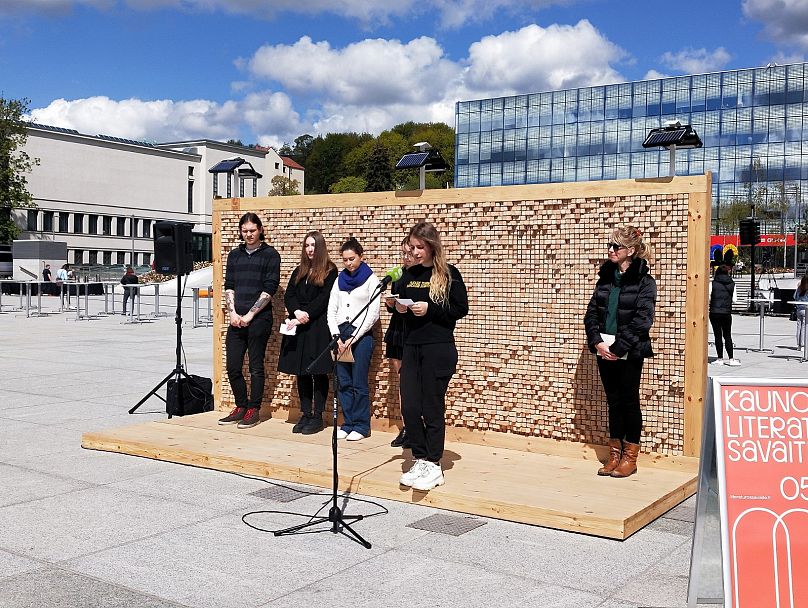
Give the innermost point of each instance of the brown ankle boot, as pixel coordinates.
(615, 451)
(628, 463)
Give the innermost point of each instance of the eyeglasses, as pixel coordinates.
(615, 246)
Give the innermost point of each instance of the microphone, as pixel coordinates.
(393, 274)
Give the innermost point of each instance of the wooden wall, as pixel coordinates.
(529, 256)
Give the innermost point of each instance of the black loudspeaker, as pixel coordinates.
(172, 245)
(197, 396)
(749, 231)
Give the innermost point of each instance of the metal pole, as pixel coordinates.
(672, 160)
(132, 231)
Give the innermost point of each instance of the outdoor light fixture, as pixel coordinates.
(426, 159)
(233, 166)
(672, 136)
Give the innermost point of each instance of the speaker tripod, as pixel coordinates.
(179, 371)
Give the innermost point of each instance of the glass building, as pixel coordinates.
(751, 123)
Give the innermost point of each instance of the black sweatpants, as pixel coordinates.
(621, 382)
(251, 340)
(426, 370)
(312, 391)
(722, 328)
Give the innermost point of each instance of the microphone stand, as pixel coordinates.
(335, 515)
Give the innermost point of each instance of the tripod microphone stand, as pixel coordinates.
(335, 515)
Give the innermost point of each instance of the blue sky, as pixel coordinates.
(266, 71)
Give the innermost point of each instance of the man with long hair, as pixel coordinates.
(252, 276)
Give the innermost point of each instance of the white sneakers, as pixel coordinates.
(730, 362)
(352, 436)
(423, 475)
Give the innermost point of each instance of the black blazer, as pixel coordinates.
(635, 310)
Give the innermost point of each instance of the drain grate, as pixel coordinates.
(278, 493)
(447, 524)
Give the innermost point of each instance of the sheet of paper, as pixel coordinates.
(286, 330)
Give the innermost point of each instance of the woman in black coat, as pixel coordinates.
(722, 295)
(617, 321)
(306, 301)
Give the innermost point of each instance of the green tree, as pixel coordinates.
(14, 164)
(378, 172)
(733, 213)
(324, 165)
(284, 186)
(351, 183)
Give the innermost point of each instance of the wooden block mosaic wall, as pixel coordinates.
(529, 256)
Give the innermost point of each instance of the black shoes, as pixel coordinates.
(235, 415)
(250, 419)
(304, 419)
(401, 439)
(314, 424)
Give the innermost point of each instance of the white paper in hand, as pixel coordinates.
(286, 329)
(609, 339)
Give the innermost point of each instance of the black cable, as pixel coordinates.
(345, 496)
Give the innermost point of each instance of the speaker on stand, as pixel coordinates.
(173, 254)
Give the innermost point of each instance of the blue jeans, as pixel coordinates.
(354, 394)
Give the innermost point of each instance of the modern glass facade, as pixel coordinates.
(751, 123)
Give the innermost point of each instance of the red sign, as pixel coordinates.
(766, 240)
(762, 440)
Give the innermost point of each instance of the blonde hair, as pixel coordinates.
(631, 236)
(441, 280)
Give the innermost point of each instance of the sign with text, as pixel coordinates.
(762, 450)
(766, 240)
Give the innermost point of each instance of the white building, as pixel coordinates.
(103, 194)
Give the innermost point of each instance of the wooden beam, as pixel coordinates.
(696, 315)
(606, 188)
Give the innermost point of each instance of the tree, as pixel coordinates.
(14, 164)
(324, 165)
(284, 186)
(349, 184)
(378, 172)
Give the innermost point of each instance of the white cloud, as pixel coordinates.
(373, 84)
(370, 85)
(372, 71)
(166, 120)
(696, 61)
(536, 59)
(655, 75)
(784, 21)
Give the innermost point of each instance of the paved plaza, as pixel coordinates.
(90, 529)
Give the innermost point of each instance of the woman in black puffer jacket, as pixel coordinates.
(617, 322)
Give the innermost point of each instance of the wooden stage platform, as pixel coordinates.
(533, 481)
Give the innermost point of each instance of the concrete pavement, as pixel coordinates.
(84, 528)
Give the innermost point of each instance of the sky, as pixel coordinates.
(267, 71)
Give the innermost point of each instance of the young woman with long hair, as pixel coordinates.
(355, 288)
(429, 357)
(306, 301)
(617, 321)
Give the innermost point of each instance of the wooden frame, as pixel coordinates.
(682, 323)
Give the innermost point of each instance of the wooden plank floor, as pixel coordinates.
(553, 484)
